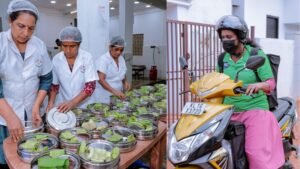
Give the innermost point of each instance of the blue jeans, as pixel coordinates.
(3, 135)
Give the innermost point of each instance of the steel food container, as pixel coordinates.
(74, 159)
(123, 144)
(33, 127)
(73, 147)
(57, 121)
(27, 156)
(142, 134)
(108, 146)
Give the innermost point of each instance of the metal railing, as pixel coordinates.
(200, 45)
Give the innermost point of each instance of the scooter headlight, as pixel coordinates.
(181, 150)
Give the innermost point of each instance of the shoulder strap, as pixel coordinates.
(221, 62)
(254, 51)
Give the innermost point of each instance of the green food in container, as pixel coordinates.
(131, 138)
(115, 138)
(119, 105)
(34, 144)
(100, 106)
(56, 153)
(143, 124)
(142, 110)
(69, 137)
(81, 131)
(54, 162)
(115, 152)
(41, 137)
(98, 155)
(90, 125)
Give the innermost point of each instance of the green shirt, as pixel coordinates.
(245, 102)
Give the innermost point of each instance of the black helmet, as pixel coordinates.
(234, 23)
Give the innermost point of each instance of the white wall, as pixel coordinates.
(49, 25)
(171, 12)
(292, 28)
(291, 11)
(113, 26)
(208, 11)
(93, 22)
(286, 74)
(153, 25)
(238, 8)
(200, 11)
(296, 37)
(256, 12)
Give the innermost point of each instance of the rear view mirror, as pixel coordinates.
(254, 62)
(183, 63)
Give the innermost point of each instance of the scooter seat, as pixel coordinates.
(282, 108)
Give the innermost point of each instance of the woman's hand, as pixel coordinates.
(127, 86)
(120, 95)
(15, 128)
(65, 107)
(254, 88)
(36, 117)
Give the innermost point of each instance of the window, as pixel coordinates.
(272, 26)
(137, 44)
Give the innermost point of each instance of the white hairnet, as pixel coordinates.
(70, 34)
(22, 5)
(117, 41)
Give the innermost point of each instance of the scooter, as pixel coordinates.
(205, 138)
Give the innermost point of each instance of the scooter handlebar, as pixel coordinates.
(240, 90)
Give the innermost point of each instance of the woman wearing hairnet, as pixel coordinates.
(111, 69)
(74, 74)
(25, 72)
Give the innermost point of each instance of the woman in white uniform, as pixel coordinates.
(111, 69)
(25, 72)
(74, 74)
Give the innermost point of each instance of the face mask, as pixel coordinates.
(229, 46)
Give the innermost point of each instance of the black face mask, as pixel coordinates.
(229, 46)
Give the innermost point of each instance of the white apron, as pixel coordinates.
(20, 78)
(72, 83)
(114, 76)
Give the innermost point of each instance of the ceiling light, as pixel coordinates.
(110, 1)
(136, 2)
(148, 6)
(53, 2)
(69, 4)
(112, 8)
